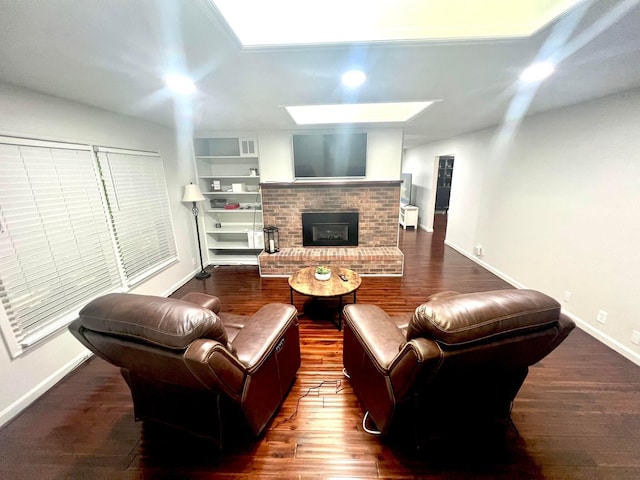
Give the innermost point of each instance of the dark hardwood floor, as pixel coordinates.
(577, 414)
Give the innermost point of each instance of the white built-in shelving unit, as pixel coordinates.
(228, 172)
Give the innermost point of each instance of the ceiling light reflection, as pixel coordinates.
(353, 78)
(180, 84)
(537, 72)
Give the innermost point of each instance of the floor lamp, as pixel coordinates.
(193, 194)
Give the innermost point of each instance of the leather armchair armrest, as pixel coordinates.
(388, 349)
(419, 357)
(212, 363)
(261, 332)
(202, 299)
(378, 334)
(565, 325)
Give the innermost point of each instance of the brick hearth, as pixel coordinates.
(377, 202)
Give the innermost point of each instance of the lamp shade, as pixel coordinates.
(192, 193)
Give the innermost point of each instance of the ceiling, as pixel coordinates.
(114, 54)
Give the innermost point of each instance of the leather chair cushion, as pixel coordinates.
(474, 317)
(204, 300)
(165, 322)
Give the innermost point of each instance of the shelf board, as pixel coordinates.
(231, 245)
(227, 157)
(237, 228)
(228, 193)
(228, 258)
(232, 210)
(220, 177)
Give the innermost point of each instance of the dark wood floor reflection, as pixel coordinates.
(578, 413)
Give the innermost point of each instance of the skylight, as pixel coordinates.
(356, 113)
(294, 22)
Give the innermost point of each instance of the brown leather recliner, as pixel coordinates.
(190, 366)
(458, 363)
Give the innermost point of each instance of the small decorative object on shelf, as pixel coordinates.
(215, 186)
(271, 240)
(323, 273)
(253, 172)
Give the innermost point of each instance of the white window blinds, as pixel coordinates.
(56, 246)
(139, 206)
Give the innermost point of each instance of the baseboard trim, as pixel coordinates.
(36, 392)
(485, 265)
(584, 326)
(606, 339)
(180, 283)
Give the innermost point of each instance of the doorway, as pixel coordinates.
(443, 185)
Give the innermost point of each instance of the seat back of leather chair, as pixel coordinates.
(487, 341)
(182, 369)
(464, 356)
(464, 319)
(146, 335)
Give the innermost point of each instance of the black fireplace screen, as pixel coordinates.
(330, 229)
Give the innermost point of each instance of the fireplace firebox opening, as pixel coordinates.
(330, 229)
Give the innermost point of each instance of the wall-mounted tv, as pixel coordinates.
(329, 155)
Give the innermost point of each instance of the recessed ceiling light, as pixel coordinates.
(537, 72)
(180, 84)
(356, 112)
(353, 78)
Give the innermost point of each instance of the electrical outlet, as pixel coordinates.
(602, 316)
(566, 297)
(635, 337)
(479, 250)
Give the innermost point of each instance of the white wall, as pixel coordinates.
(555, 206)
(384, 155)
(276, 156)
(419, 163)
(28, 114)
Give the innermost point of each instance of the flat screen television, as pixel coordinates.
(329, 155)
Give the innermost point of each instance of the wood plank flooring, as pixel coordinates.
(577, 414)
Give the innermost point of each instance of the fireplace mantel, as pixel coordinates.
(329, 183)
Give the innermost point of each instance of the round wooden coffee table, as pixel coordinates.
(305, 283)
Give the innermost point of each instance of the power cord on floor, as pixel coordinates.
(338, 389)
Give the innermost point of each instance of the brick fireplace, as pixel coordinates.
(377, 204)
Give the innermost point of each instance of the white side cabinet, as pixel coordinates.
(229, 177)
(408, 216)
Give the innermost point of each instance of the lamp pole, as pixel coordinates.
(193, 194)
(201, 274)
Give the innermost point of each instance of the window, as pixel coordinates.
(56, 248)
(73, 228)
(139, 207)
